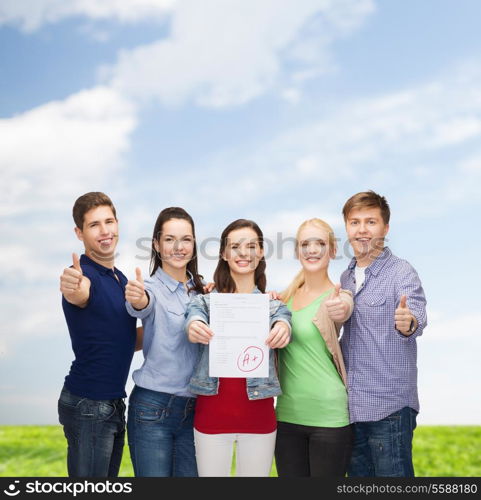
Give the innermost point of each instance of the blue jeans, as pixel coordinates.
(95, 432)
(160, 434)
(384, 448)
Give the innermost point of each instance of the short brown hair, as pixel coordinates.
(88, 201)
(367, 199)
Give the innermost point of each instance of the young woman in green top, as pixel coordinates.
(314, 437)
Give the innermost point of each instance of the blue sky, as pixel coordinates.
(275, 111)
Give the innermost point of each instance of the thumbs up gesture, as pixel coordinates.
(135, 291)
(74, 286)
(403, 317)
(337, 309)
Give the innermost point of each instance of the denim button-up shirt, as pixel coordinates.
(380, 361)
(257, 388)
(169, 356)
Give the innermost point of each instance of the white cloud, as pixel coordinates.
(471, 164)
(50, 155)
(44, 318)
(348, 147)
(224, 53)
(30, 15)
(57, 151)
(456, 130)
(352, 143)
(291, 95)
(466, 326)
(87, 135)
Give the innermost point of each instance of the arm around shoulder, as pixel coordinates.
(280, 312)
(197, 310)
(197, 320)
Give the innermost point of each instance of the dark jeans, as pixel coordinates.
(384, 448)
(305, 451)
(95, 432)
(160, 430)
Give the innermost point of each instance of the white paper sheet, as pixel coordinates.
(240, 322)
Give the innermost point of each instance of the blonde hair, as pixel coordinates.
(299, 279)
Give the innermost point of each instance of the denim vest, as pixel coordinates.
(257, 388)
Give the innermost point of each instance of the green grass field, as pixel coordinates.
(41, 450)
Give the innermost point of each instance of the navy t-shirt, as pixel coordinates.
(102, 334)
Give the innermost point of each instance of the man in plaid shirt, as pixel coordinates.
(379, 343)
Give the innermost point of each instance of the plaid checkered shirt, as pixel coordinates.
(380, 361)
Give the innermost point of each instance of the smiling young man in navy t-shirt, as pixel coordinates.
(103, 335)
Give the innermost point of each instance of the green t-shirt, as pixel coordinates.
(312, 389)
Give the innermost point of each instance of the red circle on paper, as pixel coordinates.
(250, 351)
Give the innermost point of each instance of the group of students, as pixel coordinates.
(326, 408)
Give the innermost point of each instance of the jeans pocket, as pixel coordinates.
(69, 400)
(69, 408)
(89, 409)
(146, 414)
(385, 443)
(66, 406)
(105, 410)
(65, 412)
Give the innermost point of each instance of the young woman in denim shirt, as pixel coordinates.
(161, 406)
(236, 410)
(314, 437)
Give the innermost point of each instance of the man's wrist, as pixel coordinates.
(413, 325)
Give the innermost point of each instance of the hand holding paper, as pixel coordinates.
(199, 332)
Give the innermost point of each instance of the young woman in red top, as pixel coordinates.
(234, 410)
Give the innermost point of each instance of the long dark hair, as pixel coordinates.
(224, 283)
(155, 260)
